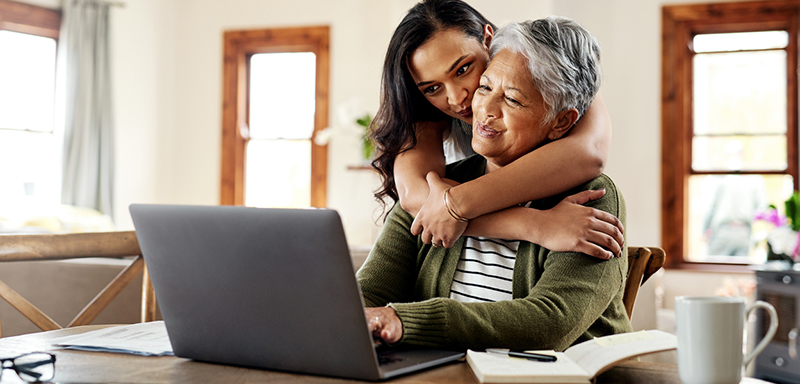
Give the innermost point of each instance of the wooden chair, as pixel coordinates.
(643, 262)
(73, 246)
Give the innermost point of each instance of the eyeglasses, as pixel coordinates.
(32, 367)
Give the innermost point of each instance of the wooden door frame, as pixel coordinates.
(239, 46)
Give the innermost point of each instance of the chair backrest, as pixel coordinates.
(74, 246)
(643, 262)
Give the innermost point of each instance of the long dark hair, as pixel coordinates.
(402, 104)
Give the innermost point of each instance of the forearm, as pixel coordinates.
(411, 166)
(560, 308)
(554, 168)
(517, 223)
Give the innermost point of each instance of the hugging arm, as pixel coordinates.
(552, 169)
(411, 166)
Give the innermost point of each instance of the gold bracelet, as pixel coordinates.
(450, 210)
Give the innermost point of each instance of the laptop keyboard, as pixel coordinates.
(389, 359)
(387, 355)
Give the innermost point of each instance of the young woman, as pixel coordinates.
(432, 68)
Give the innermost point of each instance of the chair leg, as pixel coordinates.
(148, 298)
(25, 307)
(93, 309)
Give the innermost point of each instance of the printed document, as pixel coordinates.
(146, 339)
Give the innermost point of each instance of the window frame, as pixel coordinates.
(30, 19)
(239, 46)
(679, 25)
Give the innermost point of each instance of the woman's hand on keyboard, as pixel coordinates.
(384, 324)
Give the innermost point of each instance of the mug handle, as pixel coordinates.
(773, 326)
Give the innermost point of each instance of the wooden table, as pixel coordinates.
(101, 367)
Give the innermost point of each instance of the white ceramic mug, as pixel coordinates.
(710, 335)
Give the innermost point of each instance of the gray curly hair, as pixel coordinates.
(563, 59)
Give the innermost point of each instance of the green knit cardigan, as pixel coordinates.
(559, 298)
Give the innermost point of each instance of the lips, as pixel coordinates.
(466, 112)
(483, 130)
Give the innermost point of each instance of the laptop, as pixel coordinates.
(265, 288)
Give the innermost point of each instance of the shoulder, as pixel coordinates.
(612, 202)
(603, 181)
(399, 218)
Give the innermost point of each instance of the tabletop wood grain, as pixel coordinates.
(102, 367)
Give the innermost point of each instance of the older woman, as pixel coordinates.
(487, 292)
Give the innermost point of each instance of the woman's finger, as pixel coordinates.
(607, 235)
(603, 240)
(416, 227)
(594, 250)
(584, 197)
(609, 218)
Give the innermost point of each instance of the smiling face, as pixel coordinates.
(447, 70)
(509, 112)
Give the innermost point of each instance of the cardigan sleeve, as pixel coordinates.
(389, 273)
(573, 293)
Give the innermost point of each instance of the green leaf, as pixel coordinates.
(792, 210)
(364, 121)
(367, 147)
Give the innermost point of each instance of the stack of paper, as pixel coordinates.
(146, 339)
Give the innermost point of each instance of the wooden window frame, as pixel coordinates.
(679, 24)
(30, 19)
(239, 46)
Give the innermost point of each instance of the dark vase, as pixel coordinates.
(772, 256)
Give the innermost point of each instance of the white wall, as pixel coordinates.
(143, 62)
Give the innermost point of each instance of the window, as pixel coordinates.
(729, 127)
(274, 103)
(30, 164)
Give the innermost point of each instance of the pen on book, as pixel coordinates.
(524, 355)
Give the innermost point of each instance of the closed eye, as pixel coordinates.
(513, 101)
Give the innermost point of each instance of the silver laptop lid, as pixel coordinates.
(267, 288)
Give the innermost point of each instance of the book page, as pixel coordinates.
(595, 356)
(493, 368)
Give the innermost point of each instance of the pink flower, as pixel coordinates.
(796, 253)
(772, 216)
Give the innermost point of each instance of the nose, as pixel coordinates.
(486, 106)
(456, 96)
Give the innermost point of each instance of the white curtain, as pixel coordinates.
(88, 166)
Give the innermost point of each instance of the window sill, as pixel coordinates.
(359, 168)
(712, 267)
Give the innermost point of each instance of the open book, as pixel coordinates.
(578, 364)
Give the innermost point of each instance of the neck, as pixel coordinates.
(491, 166)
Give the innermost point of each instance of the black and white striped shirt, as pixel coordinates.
(485, 270)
